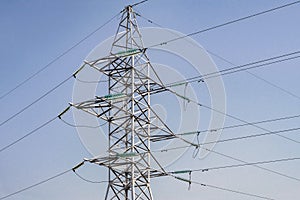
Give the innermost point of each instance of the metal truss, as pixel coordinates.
(127, 109)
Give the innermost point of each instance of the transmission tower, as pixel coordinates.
(127, 109)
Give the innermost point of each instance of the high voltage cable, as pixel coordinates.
(197, 146)
(84, 81)
(164, 173)
(138, 3)
(169, 174)
(81, 126)
(244, 67)
(215, 187)
(240, 125)
(35, 101)
(65, 52)
(256, 76)
(251, 67)
(28, 134)
(220, 57)
(45, 124)
(194, 33)
(35, 185)
(227, 23)
(234, 138)
(257, 122)
(228, 115)
(189, 79)
(87, 180)
(246, 123)
(245, 164)
(239, 160)
(34, 130)
(58, 57)
(163, 150)
(252, 136)
(47, 93)
(257, 166)
(49, 179)
(192, 79)
(231, 190)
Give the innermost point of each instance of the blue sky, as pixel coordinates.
(35, 32)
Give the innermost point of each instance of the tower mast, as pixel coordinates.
(127, 109)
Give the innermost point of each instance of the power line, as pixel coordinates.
(47, 123)
(165, 150)
(169, 174)
(264, 61)
(235, 166)
(228, 139)
(36, 184)
(224, 155)
(238, 125)
(245, 164)
(35, 101)
(189, 79)
(197, 146)
(257, 122)
(244, 67)
(228, 115)
(252, 67)
(252, 136)
(84, 81)
(81, 126)
(172, 174)
(258, 77)
(58, 57)
(257, 166)
(222, 58)
(87, 180)
(227, 23)
(190, 181)
(138, 3)
(192, 79)
(236, 159)
(28, 134)
(96, 30)
(239, 68)
(48, 179)
(231, 190)
(212, 186)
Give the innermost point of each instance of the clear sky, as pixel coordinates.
(33, 33)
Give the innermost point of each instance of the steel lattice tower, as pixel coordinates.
(127, 109)
(129, 132)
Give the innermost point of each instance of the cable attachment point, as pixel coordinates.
(185, 101)
(190, 180)
(78, 70)
(201, 80)
(63, 112)
(138, 3)
(183, 179)
(197, 147)
(77, 166)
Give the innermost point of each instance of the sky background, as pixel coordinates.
(33, 33)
